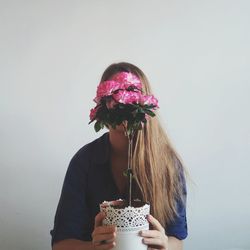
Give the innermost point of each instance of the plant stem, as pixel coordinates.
(130, 158)
(130, 135)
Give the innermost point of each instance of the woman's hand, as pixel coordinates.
(103, 237)
(156, 238)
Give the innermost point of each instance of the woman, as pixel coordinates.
(95, 174)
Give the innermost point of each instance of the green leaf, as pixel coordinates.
(127, 172)
(97, 126)
(149, 112)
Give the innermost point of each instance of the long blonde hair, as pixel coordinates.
(157, 168)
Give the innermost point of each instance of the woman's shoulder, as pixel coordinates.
(92, 150)
(80, 164)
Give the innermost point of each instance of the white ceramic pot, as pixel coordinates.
(129, 221)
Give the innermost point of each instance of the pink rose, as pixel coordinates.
(106, 88)
(127, 97)
(149, 100)
(92, 114)
(127, 79)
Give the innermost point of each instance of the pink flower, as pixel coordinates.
(121, 80)
(106, 88)
(127, 97)
(127, 79)
(92, 114)
(149, 100)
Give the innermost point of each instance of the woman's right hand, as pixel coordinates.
(103, 237)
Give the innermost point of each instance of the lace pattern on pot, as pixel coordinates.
(126, 219)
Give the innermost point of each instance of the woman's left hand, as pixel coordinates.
(156, 238)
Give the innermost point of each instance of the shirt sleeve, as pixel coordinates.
(178, 228)
(72, 216)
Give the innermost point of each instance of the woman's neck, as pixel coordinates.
(119, 143)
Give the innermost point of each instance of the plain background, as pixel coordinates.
(196, 56)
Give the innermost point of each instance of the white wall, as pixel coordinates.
(196, 55)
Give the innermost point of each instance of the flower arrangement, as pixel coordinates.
(121, 101)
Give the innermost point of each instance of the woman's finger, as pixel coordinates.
(104, 238)
(153, 241)
(155, 223)
(104, 230)
(98, 219)
(151, 233)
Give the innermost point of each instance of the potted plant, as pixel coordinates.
(122, 101)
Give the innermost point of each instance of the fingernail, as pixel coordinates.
(141, 233)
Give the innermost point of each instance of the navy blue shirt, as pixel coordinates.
(88, 182)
